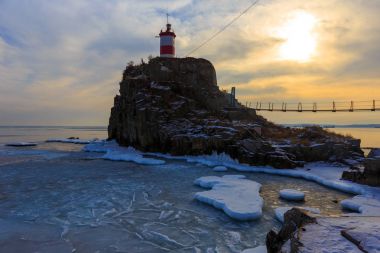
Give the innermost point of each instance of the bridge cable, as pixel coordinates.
(223, 29)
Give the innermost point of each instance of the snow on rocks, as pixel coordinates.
(363, 232)
(260, 249)
(290, 194)
(374, 153)
(320, 173)
(238, 197)
(367, 237)
(220, 169)
(21, 144)
(364, 205)
(280, 211)
(114, 152)
(131, 155)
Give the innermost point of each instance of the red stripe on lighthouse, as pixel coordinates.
(167, 50)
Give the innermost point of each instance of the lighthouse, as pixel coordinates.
(167, 41)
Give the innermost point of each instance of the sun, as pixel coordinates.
(300, 40)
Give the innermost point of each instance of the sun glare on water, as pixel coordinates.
(300, 40)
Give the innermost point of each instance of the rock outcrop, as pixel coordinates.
(302, 232)
(175, 106)
(366, 172)
(294, 220)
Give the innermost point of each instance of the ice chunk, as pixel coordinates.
(362, 204)
(131, 155)
(238, 197)
(260, 249)
(21, 144)
(71, 140)
(280, 211)
(102, 146)
(290, 194)
(220, 169)
(114, 152)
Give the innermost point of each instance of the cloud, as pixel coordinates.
(61, 61)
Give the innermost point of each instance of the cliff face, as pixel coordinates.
(175, 106)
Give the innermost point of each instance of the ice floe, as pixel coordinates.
(260, 249)
(238, 197)
(71, 140)
(291, 194)
(220, 169)
(131, 155)
(280, 211)
(102, 146)
(362, 204)
(21, 144)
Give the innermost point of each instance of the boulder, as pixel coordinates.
(367, 172)
(374, 153)
(294, 219)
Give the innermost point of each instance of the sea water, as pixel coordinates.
(60, 199)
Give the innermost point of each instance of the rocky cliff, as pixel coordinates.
(367, 171)
(175, 106)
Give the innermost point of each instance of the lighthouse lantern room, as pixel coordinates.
(167, 41)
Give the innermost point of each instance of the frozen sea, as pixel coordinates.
(56, 198)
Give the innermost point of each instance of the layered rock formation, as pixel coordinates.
(294, 220)
(175, 106)
(366, 172)
(304, 232)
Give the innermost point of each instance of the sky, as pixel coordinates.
(61, 60)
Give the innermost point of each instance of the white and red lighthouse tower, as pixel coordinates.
(167, 42)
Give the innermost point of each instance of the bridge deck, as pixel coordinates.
(318, 110)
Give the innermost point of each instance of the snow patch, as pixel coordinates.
(280, 211)
(238, 197)
(290, 194)
(326, 235)
(165, 69)
(374, 153)
(156, 86)
(260, 249)
(368, 237)
(364, 205)
(131, 155)
(114, 152)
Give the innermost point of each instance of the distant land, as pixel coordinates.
(335, 126)
(285, 125)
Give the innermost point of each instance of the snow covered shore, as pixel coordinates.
(321, 173)
(339, 235)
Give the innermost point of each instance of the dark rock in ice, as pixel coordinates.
(374, 153)
(294, 220)
(366, 172)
